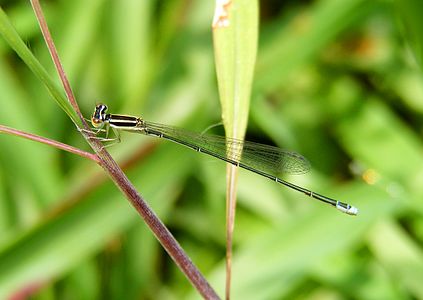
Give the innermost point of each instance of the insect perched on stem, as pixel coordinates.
(264, 160)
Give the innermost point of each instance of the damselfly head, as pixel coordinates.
(99, 115)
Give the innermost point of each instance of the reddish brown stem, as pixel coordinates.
(230, 224)
(122, 182)
(54, 55)
(47, 141)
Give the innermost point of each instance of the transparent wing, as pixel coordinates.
(265, 158)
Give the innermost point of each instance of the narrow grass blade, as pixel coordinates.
(235, 37)
(14, 40)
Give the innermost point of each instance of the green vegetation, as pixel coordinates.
(337, 81)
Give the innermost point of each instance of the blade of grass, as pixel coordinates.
(14, 40)
(235, 37)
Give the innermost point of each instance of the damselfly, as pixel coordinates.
(267, 161)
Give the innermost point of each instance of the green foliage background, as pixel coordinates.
(335, 81)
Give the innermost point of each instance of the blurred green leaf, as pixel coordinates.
(56, 245)
(296, 43)
(131, 37)
(402, 257)
(409, 13)
(273, 263)
(41, 175)
(367, 129)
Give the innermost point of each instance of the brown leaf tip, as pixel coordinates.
(221, 14)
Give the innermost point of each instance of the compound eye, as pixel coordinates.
(99, 115)
(101, 108)
(96, 122)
